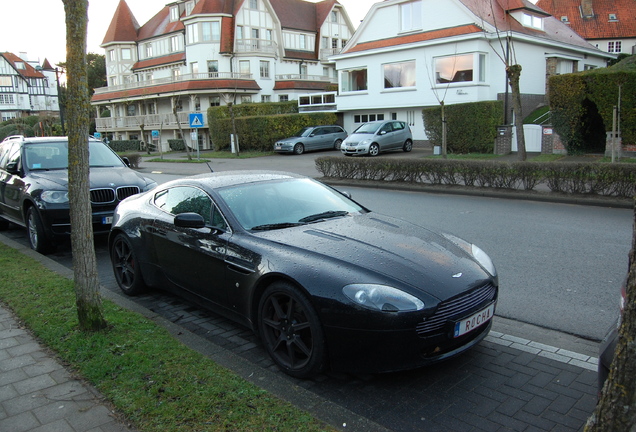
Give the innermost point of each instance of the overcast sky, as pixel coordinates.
(37, 27)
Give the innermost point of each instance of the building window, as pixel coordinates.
(343, 43)
(126, 54)
(246, 99)
(324, 42)
(354, 80)
(268, 34)
(532, 21)
(174, 43)
(264, 67)
(5, 81)
(6, 99)
(334, 44)
(213, 68)
(411, 16)
(399, 75)
(364, 118)
(460, 68)
(614, 47)
(148, 50)
(244, 68)
(111, 55)
(112, 81)
(239, 32)
(211, 31)
(303, 42)
(253, 4)
(266, 98)
(256, 34)
(215, 101)
(283, 98)
(174, 13)
(189, 7)
(20, 65)
(131, 110)
(194, 68)
(176, 73)
(303, 70)
(193, 33)
(334, 16)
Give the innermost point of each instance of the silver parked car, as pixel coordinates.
(378, 136)
(312, 138)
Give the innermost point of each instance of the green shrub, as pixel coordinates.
(176, 144)
(125, 145)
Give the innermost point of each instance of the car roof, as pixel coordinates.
(217, 180)
(42, 140)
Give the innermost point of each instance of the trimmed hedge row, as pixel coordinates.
(125, 145)
(565, 177)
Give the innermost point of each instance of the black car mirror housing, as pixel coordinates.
(189, 220)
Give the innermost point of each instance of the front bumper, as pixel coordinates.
(350, 150)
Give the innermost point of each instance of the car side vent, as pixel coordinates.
(126, 191)
(102, 196)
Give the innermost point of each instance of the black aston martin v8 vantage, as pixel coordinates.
(324, 282)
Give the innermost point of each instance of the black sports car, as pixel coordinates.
(34, 187)
(324, 281)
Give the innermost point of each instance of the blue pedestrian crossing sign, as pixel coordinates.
(196, 120)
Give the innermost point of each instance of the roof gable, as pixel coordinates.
(27, 72)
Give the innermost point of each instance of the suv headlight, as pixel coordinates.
(382, 298)
(54, 197)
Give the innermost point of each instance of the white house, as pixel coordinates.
(27, 88)
(194, 54)
(409, 54)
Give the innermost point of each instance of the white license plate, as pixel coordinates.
(472, 322)
(351, 149)
(107, 220)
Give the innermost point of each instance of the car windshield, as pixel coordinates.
(304, 132)
(54, 155)
(285, 203)
(369, 128)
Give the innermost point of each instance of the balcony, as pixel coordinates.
(172, 80)
(255, 46)
(316, 102)
(149, 122)
(304, 77)
(325, 53)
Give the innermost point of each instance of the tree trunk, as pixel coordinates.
(514, 75)
(185, 143)
(88, 300)
(616, 411)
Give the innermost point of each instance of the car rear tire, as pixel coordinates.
(374, 150)
(126, 266)
(35, 230)
(408, 146)
(299, 149)
(337, 144)
(290, 331)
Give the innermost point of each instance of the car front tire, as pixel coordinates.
(337, 144)
(35, 229)
(126, 266)
(290, 331)
(299, 149)
(374, 150)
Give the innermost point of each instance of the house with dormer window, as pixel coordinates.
(194, 54)
(27, 88)
(410, 54)
(608, 25)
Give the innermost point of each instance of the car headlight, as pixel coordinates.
(54, 197)
(382, 298)
(480, 256)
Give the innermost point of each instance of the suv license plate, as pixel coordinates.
(107, 220)
(472, 322)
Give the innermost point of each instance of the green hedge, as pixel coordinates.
(470, 127)
(565, 177)
(125, 145)
(260, 125)
(176, 144)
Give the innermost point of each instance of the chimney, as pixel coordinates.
(586, 9)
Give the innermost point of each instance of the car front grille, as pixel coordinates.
(108, 195)
(456, 308)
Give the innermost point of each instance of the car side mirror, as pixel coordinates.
(12, 168)
(126, 161)
(383, 132)
(189, 220)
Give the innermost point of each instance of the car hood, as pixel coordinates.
(357, 137)
(99, 177)
(390, 247)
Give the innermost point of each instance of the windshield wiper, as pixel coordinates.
(324, 215)
(267, 227)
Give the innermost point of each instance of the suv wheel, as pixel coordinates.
(35, 230)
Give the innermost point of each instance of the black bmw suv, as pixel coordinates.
(34, 187)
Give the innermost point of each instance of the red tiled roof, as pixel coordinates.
(599, 25)
(221, 84)
(158, 61)
(123, 27)
(159, 24)
(28, 71)
(301, 85)
(417, 37)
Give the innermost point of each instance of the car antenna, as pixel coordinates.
(208, 164)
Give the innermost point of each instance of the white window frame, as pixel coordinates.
(411, 16)
(349, 78)
(399, 75)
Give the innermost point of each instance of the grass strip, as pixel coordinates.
(158, 383)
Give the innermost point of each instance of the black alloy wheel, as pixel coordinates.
(299, 149)
(374, 149)
(37, 237)
(290, 331)
(337, 144)
(126, 266)
(408, 146)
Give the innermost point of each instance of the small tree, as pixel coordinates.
(88, 301)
